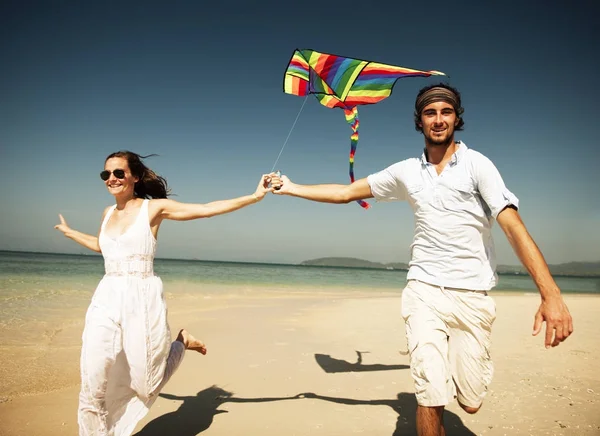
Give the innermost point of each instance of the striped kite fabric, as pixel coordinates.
(341, 82)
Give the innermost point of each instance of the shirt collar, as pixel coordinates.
(458, 154)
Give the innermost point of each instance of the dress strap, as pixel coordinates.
(108, 215)
(142, 216)
(144, 209)
(145, 213)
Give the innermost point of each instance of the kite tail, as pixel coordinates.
(352, 119)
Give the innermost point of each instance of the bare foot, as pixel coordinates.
(190, 342)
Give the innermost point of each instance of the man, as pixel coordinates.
(456, 193)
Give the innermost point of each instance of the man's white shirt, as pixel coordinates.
(454, 212)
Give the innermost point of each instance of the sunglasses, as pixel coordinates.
(119, 174)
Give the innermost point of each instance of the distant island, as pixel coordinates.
(351, 262)
(570, 269)
(573, 269)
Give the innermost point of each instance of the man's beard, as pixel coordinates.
(437, 142)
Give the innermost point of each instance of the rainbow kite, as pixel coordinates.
(344, 83)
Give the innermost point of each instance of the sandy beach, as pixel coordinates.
(315, 364)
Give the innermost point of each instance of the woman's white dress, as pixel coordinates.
(127, 355)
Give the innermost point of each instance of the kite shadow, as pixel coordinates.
(196, 413)
(405, 405)
(332, 365)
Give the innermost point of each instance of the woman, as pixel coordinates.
(127, 355)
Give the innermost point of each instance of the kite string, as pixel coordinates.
(290, 132)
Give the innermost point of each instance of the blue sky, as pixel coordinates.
(200, 84)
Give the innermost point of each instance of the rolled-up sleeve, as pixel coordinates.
(491, 185)
(386, 185)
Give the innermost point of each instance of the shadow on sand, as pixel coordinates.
(196, 413)
(405, 405)
(332, 365)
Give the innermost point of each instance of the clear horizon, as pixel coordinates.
(253, 262)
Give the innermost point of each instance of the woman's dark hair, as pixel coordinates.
(150, 184)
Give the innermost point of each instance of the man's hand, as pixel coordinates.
(553, 310)
(282, 184)
(559, 324)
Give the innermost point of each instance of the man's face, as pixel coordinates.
(438, 121)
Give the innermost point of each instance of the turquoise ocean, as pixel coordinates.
(33, 285)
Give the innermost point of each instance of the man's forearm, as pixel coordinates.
(532, 259)
(327, 193)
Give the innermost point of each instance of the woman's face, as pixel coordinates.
(118, 178)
